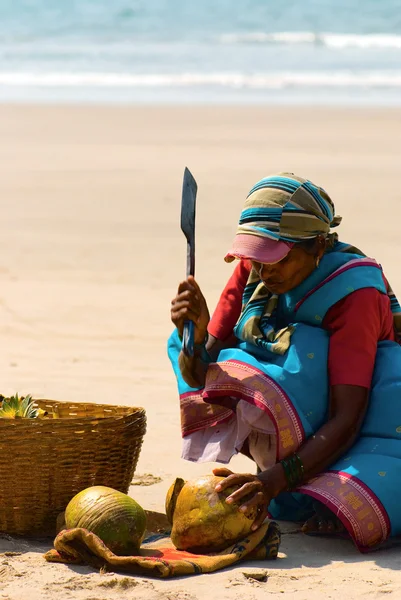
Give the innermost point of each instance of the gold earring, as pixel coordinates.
(317, 262)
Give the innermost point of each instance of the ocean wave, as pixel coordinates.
(331, 40)
(272, 81)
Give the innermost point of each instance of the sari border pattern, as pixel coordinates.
(359, 509)
(237, 378)
(196, 414)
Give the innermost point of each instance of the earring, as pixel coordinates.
(317, 262)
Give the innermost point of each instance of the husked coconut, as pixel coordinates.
(202, 521)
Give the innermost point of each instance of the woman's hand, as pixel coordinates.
(258, 493)
(190, 305)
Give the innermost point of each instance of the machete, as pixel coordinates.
(188, 210)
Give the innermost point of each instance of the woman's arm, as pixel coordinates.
(348, 407)
(193, 368)
(330, 442)
(356, 324)
(353, 344)
(190, 304)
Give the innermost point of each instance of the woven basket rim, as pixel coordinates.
(64, 402)
(126, 412)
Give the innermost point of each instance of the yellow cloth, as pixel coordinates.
(159, 558)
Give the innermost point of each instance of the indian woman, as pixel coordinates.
(299, 368)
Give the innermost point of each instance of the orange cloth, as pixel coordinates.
(159, 558)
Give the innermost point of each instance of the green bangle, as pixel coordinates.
(300, 466)
(293, 470)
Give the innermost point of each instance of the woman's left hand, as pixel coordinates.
(257, 493)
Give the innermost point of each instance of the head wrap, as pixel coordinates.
(283, 208)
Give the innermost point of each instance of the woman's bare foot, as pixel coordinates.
(323, 522)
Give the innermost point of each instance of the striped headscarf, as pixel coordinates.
(287, 207)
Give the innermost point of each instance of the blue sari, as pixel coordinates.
(293, 389)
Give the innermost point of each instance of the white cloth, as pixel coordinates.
(222, 442)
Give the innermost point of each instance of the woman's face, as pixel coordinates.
(285, 275)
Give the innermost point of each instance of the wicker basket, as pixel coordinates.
(45, 462)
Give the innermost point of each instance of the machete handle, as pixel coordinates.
(188, 335)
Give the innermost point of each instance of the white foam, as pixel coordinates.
(331, 40)
(362, 41)
(274, 80)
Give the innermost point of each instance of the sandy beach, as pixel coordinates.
(90, 256)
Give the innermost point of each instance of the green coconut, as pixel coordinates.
(114, 517)
(202, 521)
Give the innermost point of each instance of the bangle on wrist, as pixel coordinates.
(293, 470)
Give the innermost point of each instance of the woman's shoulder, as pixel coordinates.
(366, 308)
(356, 324)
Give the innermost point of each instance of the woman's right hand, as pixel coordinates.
(190, 305)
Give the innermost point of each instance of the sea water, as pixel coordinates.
(201, 51)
